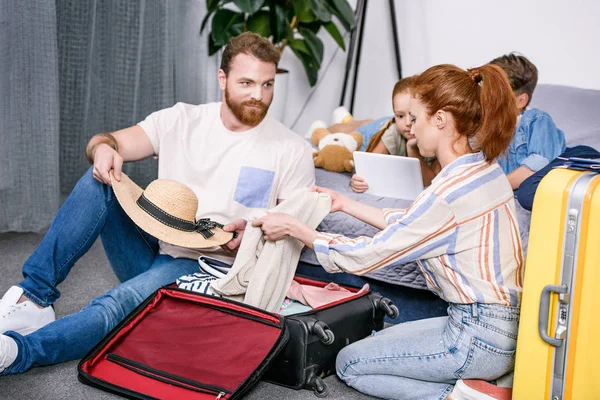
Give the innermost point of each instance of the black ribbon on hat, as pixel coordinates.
(203, 226)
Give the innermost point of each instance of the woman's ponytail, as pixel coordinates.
(480, 99)
(498, 107)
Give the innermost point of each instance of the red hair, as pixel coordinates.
(404, 85)
(480, 100)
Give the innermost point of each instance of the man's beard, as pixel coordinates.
(244, 114)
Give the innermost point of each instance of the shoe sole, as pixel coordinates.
(464, 392)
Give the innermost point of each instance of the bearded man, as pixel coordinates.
(236, 159)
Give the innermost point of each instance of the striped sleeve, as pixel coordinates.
(391, 214)
(423, 231)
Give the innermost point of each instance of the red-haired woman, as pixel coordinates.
(462, 231)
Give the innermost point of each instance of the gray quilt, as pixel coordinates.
(406, 274)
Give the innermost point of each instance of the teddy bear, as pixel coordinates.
(335, 148)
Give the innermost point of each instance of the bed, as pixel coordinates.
(407, 274)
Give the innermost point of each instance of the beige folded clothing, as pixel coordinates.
(263, 270)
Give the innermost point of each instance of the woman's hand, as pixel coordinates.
(370, 215)
(358, 184)
(338, 202)
(276, 226)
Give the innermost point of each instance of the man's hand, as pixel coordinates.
(105, 159)
(108, 151)
(238, 226)
(358, 184)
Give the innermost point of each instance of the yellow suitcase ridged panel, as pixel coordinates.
(583, 373)
(534, 356)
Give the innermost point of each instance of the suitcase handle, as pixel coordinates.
(544, 310)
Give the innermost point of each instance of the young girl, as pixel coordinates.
(462, 231)
(396, 139)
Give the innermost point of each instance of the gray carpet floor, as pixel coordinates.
(91, 277)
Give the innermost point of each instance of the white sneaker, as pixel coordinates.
(8, 352)
(24, 317)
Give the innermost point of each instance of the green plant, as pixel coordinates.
(293, 23)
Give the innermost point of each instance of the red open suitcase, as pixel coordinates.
(179, 344)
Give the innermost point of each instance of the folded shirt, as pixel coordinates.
(316, 296)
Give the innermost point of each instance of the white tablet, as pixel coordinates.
(390, 176)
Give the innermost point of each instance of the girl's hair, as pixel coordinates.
(480, 100)
(404, 85)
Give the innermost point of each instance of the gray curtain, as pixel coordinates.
(29, 115)
(97, 66)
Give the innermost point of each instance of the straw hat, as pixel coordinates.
(167, 210)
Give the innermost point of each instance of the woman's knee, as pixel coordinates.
(347, 361)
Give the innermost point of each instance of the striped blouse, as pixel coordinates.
(462, 231)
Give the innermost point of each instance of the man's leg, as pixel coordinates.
(73, 231)
(90, 210)
(130, 250)
(73, 336)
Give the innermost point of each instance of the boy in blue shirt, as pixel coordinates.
(537, 140)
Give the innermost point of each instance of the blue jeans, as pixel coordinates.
(90, 211)
(528, 187)
(423, 359)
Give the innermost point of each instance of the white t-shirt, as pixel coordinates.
(234, 174)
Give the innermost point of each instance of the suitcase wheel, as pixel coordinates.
(388, 308)
(322, 331)
(319, 387)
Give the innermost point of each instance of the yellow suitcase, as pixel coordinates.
(558, 348)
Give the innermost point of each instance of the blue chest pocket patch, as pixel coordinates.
(254, 187)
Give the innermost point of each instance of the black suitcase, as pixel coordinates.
(317, 336)
(181, 344)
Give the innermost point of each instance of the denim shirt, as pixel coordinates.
(536, 142)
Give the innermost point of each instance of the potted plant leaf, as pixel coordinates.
(287, 23)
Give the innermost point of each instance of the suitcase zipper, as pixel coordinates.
(165, 376)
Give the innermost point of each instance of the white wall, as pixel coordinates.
(561, 37)
(375, 81)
